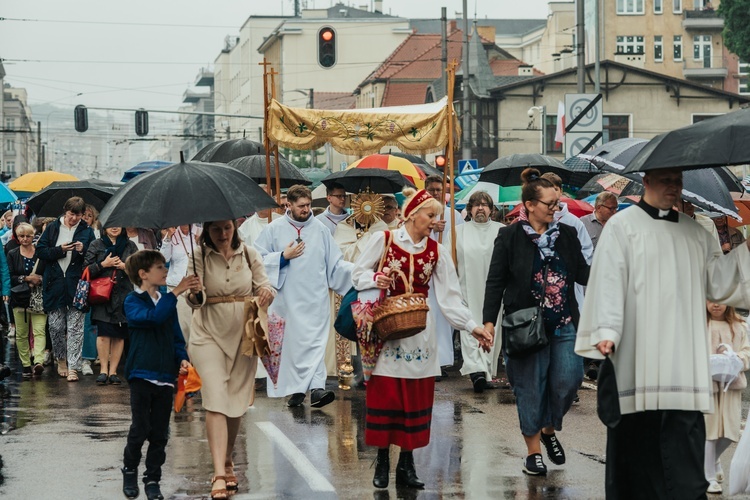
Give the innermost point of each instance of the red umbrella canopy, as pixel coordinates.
(390, 162)
(579, 208)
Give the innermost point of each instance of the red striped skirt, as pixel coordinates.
(399, 411)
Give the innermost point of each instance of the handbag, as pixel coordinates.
(523, 330)
(27, 296)
(345, 324)
(607, 395)
(100, 289)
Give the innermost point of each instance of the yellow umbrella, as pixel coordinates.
(36, 181)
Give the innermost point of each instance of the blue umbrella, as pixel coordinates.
(142, 168)
(6, 195)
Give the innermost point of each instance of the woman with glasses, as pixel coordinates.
(525, 253)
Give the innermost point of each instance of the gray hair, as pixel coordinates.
(602, 197)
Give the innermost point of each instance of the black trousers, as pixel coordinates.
(657, 455)
(151, 407)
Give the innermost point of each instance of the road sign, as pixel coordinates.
(471, 164)
(583, 113)
(575, 142)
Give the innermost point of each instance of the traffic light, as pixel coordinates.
(326, 47)
(441, 161)
(81, 118)
(141, 122)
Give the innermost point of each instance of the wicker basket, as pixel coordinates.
(401, 316)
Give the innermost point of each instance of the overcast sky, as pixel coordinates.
(143, 53)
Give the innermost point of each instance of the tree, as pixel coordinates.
(736, 14)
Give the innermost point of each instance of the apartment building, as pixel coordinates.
(19, 137)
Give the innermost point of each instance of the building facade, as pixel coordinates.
(19, 138)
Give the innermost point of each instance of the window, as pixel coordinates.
(677, 6)
(678, 47)
(10, 123)
(744, 81)
(630, 45)
(658, 49)
(700, 118)
(10, 168)
(658, 7)
(615, 127)
(630, 6)
(702, 49)
(10, 145)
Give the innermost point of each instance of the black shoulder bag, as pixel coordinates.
(523, 330)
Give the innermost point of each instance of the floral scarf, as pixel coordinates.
(546, 241)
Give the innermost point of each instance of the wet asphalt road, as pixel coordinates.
(64, 440)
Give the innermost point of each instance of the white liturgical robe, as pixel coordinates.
(252, 227)
(302, 299)
(646, 293)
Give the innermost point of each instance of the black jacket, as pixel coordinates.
(112, 311)
(59, 287)
(17, 273)
(511, 269)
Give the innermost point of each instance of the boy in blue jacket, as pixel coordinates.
(156, 355)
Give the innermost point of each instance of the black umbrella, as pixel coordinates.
(632, 185)
(614, 155)
(185, 193)
(582, 171)
(715, 142)
(376, 180)
(506, 171)
(418, 162)
(255, 167)
(49, 201)
(228, 150)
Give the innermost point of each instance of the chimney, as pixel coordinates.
(452, 26)
(378, 6)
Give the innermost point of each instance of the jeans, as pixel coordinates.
(151, 407)
(545, 383)
(89, 339)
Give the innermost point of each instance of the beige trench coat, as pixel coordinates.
(228, 377)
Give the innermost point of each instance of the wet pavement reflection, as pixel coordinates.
(65, 440)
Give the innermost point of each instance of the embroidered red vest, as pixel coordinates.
(417, 266)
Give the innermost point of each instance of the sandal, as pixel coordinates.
(219, 493)
(229, 476)
(62, 368)
(72, 376)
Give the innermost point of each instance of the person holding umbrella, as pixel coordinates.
(106, 256)
(230, 272)
(62, 247)
(645, 308)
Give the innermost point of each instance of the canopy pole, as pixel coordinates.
(451, 77)
(266, 141)
(273, 74)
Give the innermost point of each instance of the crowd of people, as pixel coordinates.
(179, 297)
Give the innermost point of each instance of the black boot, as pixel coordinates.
(382, 469)
(130, 483)
(406, 475)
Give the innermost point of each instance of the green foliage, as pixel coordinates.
(736, 14)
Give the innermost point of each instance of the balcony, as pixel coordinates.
(702, 20)
(705, 69)
(192, 97)
(205, 78)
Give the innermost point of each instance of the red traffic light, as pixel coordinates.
(326, 47)
(441, 161)
(326, 35)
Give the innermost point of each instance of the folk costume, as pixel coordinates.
(652, 272)
(474, 244)
(400, 392)
(306, 311)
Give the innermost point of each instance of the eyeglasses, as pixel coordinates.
(25, 236)
(339, 196)
(553, 205)
(611, 209)
(434, 190)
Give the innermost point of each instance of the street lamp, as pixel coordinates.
(543, 118)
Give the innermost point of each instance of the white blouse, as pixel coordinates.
(415, 357)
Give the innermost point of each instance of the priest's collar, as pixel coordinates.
(670, 215)
(296, 222)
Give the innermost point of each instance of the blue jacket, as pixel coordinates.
(4, 275)
(157, 346)
(59, 286)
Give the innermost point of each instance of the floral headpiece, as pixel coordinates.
(420, 198)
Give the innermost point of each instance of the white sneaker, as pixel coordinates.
(47, 358)
(714, 487)
(11, 332)
(86, 369)
(719, 472)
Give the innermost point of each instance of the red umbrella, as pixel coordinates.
(579, 208)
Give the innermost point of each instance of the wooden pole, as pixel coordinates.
(273, 74)
(266, 142)
(451, 77)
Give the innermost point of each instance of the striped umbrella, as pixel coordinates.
(500, 195)
(391, 162)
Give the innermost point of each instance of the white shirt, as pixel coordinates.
(174, 252)
(65, 236)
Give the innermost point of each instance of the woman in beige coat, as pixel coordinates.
(723, 425)
(229, 271)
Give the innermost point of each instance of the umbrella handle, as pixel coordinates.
(199, 295)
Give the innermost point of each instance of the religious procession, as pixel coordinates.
(221, 283)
